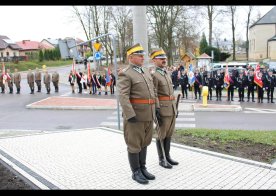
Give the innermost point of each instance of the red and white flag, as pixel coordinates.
(257, 78)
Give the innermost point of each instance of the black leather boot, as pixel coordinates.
(161, 157)
(135, 168)
(167, 146)
(142, 159)
(18, 90)
(272, 100)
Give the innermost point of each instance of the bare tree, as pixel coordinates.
(232, 10)
(163, 20)
(210, 13)
(121, 16)
(250, 8)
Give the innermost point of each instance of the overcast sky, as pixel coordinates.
(38, 22)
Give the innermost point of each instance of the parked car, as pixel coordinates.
(79, 59)
(272, 66)
(90, 59)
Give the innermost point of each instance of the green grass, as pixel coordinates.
(264, 137)
(25, 65)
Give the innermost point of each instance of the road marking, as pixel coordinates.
(259, 110)
(112, 121)
(66, 94)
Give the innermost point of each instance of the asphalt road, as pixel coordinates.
(14, 115)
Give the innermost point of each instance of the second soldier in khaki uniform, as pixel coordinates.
(47, 81)
(55, 80)
(38, 79)
(30, 79)
(137, 98)
(17, 80)
(166, 106)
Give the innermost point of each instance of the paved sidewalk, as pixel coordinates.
(96, 158)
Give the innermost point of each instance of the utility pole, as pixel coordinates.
(140, 33)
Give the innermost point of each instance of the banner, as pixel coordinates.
(257, 78)
(226, 78)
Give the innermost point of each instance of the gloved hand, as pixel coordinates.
(215, 86)
(222, 86)
(255, 87)
(158, 116)
(187, 85)
(132, 120)
(263, 88)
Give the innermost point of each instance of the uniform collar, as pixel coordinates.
(161, 71)
(137, 68)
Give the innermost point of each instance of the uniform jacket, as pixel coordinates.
(270, 81)
(134, 84)
(17, 77)
(241, 82)
(164, 87)
(55, 77)
(30, 77)
(37, 75)
(47, 78)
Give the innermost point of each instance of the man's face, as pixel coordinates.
(160, 62)
(137, 59)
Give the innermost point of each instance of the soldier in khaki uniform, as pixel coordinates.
(30, 79)
(10, 80)
(17, 80)
(47, 81)
(38, 79)
(55, 80)
(137, 98)
(166, 106)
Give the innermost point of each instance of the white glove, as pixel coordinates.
(245, 87)
(215, 86)
(263, 88)
(222, 86)
(187, 85)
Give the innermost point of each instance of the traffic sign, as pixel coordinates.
(97, 56)
(97, 46)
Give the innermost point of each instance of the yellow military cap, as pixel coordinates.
(158, 54)
(136, 49)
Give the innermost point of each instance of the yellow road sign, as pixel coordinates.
(97, 46)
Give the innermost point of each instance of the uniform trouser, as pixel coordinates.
(241, 93)
(184, 90)
(230, 91)
(197, 90)
(250, 91)
(270, 92)
(218, 92)
(17, 85)
(47, 86)
(38, 83)
(167, 127)
(209, 92)
(137, 135)
(56, 86)
(260, 93)
(31, 85)
(10, 85)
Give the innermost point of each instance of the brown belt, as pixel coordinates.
(166, 98)
(142, 101)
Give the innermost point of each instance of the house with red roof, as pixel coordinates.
(9, 50)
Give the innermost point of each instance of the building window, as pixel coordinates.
(14, 53)
(7, 54)
(2, 54)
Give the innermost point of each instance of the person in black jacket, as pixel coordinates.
(198, 84)
(184, 83)
(270, 83)
(241, 84)
(251, 85)
(219, 80)
(209, 81)
(79, 77)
